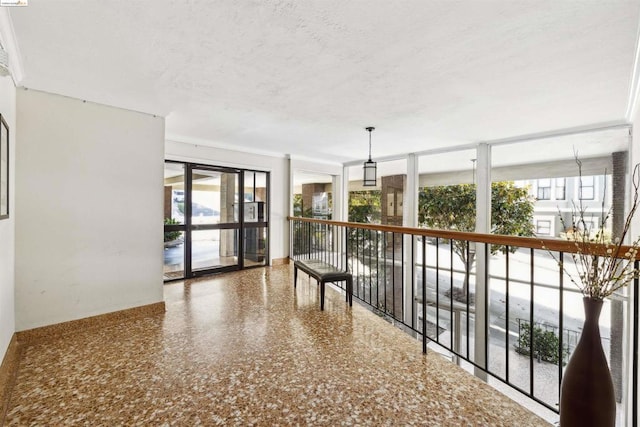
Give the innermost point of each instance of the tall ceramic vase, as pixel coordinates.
(586, 394)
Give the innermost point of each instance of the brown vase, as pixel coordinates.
(586, 394)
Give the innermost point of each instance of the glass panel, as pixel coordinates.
(312, 195)
(173, 193)
(447, 192)
(173, 255)
(249, 186)
(214, 197)
(382, 204)
(255, 244)
(255, 196)
(213, 249)
(174, 177)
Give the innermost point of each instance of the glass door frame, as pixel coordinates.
(191, 227)
(240, 225)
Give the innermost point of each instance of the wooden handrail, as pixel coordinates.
(493, 239)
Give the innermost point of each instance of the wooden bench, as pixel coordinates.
(323, 272)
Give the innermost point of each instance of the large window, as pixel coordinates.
(544, 189)
(586, 188)
(543, 227)
(560, 189)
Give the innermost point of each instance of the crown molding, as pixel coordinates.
(10, 44)
(634, 82)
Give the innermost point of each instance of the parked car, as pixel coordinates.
(178, 196)
(200, 210)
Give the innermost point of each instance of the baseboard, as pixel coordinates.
(279, 261)
(60, 329)
(8, 371)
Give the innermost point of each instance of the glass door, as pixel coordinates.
(213, 208)
(215, 219)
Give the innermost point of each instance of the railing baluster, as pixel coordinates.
(506, 332)
(413, 283)
(324, 242)
(424, 295)
(531, 329)
(310, 237)
(358, 258)
(332, 248)
(467, 316)
(346, 249)
(634, 379)
(393, 273)
(487, 312)
(437, 289)
(377, 268)
(385, 265)
(369, 266)
(451, 315)
(561, 319)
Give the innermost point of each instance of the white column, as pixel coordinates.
(410, 204)
(410, 219)
(344, 210)
(289, 200)
(289, 172)
(344, 194)
(338, 198)
(483, 225)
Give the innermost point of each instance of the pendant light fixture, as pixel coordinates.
(369, 168)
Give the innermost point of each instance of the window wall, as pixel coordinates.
(535, 188)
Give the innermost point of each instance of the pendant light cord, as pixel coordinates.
(370, 129)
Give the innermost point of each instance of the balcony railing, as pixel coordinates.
(500, 306)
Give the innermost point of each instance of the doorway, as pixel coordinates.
(216, 219)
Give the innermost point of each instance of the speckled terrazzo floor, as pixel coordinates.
(246, 349)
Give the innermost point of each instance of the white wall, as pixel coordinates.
(279, 172)
(89, 182)
(7, 226)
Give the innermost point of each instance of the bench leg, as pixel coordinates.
(350, 291)
(295, 277)
(322, 295)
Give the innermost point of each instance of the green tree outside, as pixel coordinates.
(364, 206)
(453, 207)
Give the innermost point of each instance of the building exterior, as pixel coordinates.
(557, 199)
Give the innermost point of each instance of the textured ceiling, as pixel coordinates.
(305, 77)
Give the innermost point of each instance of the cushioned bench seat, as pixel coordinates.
(323, 272)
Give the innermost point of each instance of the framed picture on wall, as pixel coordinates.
(4, 168)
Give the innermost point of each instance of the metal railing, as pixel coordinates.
(436, 284)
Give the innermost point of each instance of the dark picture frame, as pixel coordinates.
(4, 168)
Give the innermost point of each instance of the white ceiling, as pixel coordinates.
(305, 77)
